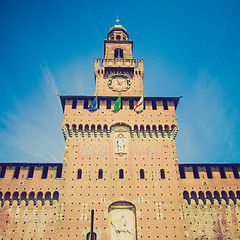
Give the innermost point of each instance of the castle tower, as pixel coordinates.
(118, 72)
(121, 164)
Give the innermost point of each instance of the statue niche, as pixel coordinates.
(122, 221)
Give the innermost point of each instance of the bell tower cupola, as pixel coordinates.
(118, 33)
(118, 73)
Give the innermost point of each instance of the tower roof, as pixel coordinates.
(117, 27)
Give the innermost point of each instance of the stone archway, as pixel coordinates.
(122, 221)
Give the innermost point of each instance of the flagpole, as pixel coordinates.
(92, 222)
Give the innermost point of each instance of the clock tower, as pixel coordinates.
(121, 164)
(118, 72)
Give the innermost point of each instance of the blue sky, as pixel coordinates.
(190, 49)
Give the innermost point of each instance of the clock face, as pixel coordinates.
(119, 83)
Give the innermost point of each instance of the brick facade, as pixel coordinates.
(124, 166)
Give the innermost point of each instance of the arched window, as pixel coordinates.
(89, 236)
(15, 196)
(209, 196)
(225, 197)
(7, 196)
(56, 195)
(232, 197)
(162, 173)
(39, 196)
(31, 196)
(186, 196)
(79, 174)
(23, 196)
(217, 196)
(121, 174)
(202, 197)
(194, 197)
(100, 174)
(47, 195)
(118, 53)
(142, 175)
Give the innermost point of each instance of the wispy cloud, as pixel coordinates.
(207, 124)
(33, 125)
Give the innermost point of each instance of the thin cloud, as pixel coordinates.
(206, 124)
(33, 126)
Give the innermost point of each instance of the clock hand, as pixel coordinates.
(119, 83)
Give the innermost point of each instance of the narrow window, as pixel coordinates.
(142, 175)
(100, 174)
(59, 171)
(85, 105)
(154, 105)
(74, 104)
(131, 105)
(3, 171)
(182, 171)
(118, 37)
(162, 173)
(235, 171)
(79, 174)
(121, 174)
(16, 172)
(45, 172)
(30, 171)
(108, 104)
(195, 172)
(165, 105)
(222, 172)
(209, 172)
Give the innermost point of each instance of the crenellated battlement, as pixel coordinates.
(209, 171)
(22, 171)
(127, 103)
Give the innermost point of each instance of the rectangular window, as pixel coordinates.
(45, 172)
(182, 171)
(165, 105)
(74, 104)
(30, 171)
(154, 106)
(16, 172)
(85, 106)
(108, 104)
(235, 171)
(3, 171)
(222, 172)
(209, 172)
(195, 172)
(131, 105)
(59, 171)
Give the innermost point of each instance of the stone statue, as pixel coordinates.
(122, 229)
(120, 144)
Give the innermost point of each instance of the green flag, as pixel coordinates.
(117, 104)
